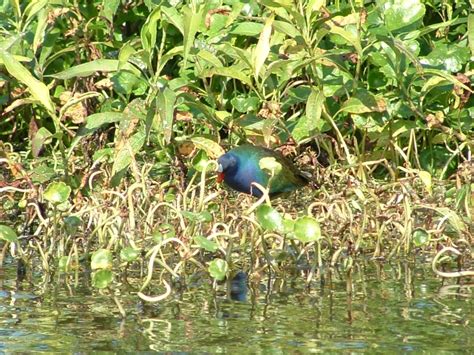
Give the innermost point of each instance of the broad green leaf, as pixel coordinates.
(42, 137)
(201, 161)
(72, 224)
(470, 32)
(165, 102)
(420, 237)
(425, 177)
(348, 36)
(204, 216)
(102, 278)
(37, 88)
(174, 17)
(263, 46)
(286, 28)
(90, 68)
(109, 8)
(314, 107)
(206, 244)
(8, 234)
(307, 229)
(101, 259)
(213, 149)
(401, 13)
(251, 29)
(129, 254)
(245, 103)
(57, 192)
(232, 73)
(438, 161)
(218, 269)
(364, 101)
(124, 156)
(149, 31)
(32, 9)
(269, 218)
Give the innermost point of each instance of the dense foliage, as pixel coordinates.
(113, 95)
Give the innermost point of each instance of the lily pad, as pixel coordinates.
(57, 192)
(307, 229)
(218, 269)
(101, 259)
(269, 218)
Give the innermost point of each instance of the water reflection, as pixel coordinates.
(374, 307)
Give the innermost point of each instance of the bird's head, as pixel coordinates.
(226, 163)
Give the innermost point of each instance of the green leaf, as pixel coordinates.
(231, 72)
(263, 46)
(213, 149)
(149, 30)
(470, 32)
(251, 29)
(245, 103)
(42, 137)
(102, 278)
(218, 269)
(362, 102)
(129, 254)
(57, 192)
(204, 216)
(307, 229)
(206, 244)
(90, 68)
(101, 259)
(38, 89)
(420, 237)
(165, 102)
(438, 161)
(269, 218)
(191, 22)
(72, 224)
(124, 156)
(314, 107)
(200, 161)
(8, 234)
(401, 13)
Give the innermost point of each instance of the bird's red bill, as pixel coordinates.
(220, 178)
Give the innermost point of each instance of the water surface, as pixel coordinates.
(379, 307)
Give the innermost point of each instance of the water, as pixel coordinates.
(391, 307)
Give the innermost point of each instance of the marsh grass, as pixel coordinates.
(177, 231)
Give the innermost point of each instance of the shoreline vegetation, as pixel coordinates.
(112, 116)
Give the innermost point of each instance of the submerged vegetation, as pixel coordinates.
(113, 113)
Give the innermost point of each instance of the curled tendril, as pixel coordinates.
(449, 274)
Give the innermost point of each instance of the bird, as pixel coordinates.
(240, 167)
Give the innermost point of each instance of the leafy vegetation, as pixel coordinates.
(112, 113)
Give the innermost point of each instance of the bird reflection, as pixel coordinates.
(238, 287)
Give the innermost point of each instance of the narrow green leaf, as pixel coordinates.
(191, 23)
(149, 30)
(37, 88)
(314, 106)
(40, 29)
(470, 32)
(87, 69)
(230, 72)
(263, 46)
(165, 102)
